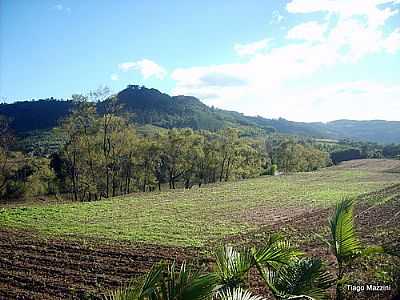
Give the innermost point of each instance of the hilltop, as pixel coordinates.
(150, 106)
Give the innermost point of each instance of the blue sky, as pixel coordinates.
(304, 60)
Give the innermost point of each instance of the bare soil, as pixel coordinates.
(34, 268)
(377, 165)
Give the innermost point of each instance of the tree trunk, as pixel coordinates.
(74, 184)
(228, 169)
(222, 169)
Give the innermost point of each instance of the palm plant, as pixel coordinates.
(276, 254)
(279, 264)
(232, 266)
(345, 244)
(343, 241)
(288, 275)
(237, 294)
(165, 282)
(306, 278)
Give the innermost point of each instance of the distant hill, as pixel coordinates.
(35, 115)
(379, 131)
(150, 106)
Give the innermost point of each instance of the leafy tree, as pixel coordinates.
(42, 179)
(6, 140)
(344, 155)
(294, 157)
(228, 147)
(149, 163)
(176, 147)
(79, 150)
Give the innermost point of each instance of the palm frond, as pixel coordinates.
(123, 293)
(200, 288)
(277, 253)
(344, 242)
(306, 278)
(237, 294)
(146, 287)
(149, 285)
(168, 282)
(186, 284)
(232, 266)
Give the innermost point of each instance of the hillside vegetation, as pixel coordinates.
(150, 106)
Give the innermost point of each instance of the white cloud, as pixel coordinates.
(251, 48)
(346, 8)
(59, 7)
(344, 100)
(146, 67)
(308, 31)
(263, 84)
(114, 77)
(392, 43)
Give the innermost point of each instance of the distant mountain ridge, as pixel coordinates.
(150, 106)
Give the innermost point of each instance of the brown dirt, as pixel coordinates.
(34, 268)
(377, 165)
(271, 215)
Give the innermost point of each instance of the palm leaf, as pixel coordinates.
(149, 286)
(232, 266)
(166, 282)
(277, 253)
(200, 288)
(144, 288)
(344, 242)
(237, 294)
(123, 293)
(306, 278)
(185, 284)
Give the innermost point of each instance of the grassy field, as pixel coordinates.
(194, 217)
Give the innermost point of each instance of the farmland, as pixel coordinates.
(82, 249)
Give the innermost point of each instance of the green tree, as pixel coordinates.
(79, 150)
(6, 166)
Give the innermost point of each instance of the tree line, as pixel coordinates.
(104, 156)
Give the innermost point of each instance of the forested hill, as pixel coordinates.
(35, 115)
(377, 131)
(150, 106)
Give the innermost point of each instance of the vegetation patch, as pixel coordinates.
(194, 217)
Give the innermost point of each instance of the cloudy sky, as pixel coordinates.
(304, 60)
